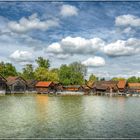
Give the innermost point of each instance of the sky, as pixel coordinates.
(104, 36)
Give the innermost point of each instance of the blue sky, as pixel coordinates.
(102, 35)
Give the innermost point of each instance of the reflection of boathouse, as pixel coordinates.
(3, 85)
(16, 84)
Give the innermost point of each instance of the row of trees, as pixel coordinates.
(73, 73)
(132, 79)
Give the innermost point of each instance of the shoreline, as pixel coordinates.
(76, 94)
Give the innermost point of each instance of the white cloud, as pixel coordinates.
(21, 56)
(95, 61)
(30, 23)
(76, 45)
(127, 30)
(122, 47)
(68, 10)
(127, 20)
(55, 48)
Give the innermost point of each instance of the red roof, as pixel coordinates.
(43, 84)
(133, 84)
(121, 84)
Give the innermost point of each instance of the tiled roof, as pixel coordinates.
(43, 84)
(121, 84)
(133, 84)
(12, 79)
(106, 84)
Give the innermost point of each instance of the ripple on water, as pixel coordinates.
(41, 116)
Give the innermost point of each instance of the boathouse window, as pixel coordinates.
(2, 85)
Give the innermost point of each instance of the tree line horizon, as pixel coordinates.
(72, 74)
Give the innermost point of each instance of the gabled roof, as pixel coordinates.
(133, 85)
(121, 84)
(90, 84)
(12, 79)
(43, 84)
(3, 77)
(105, 84)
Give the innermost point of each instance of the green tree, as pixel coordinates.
(78, 71)
(117, 78)
(41, 74)
(28, 72)
(138, 79)
(72, 74)
(132, 79)
(52, 76)
(65, 75)
(7, 69)
(45, 63)
(102, 79)
(79, 68)
(93, 78)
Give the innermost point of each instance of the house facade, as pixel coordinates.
(105, 86)
(31, 85)
(16, 84)
(133, 87)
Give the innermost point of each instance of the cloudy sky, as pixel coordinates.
(102, 35)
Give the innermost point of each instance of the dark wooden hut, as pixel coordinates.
(3, 85)
(133, 87)
(105, 86)
(31, 85)
(16, 84)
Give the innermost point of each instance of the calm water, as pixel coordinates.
(41, 116)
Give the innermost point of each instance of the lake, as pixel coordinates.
(42, 116)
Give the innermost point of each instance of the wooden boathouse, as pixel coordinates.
(45, 87)
(121, 85)
(105, 87)
(16, 84)
(31, 85)
(133, 87)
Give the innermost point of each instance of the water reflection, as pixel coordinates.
(41, 106)
(41, 116)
